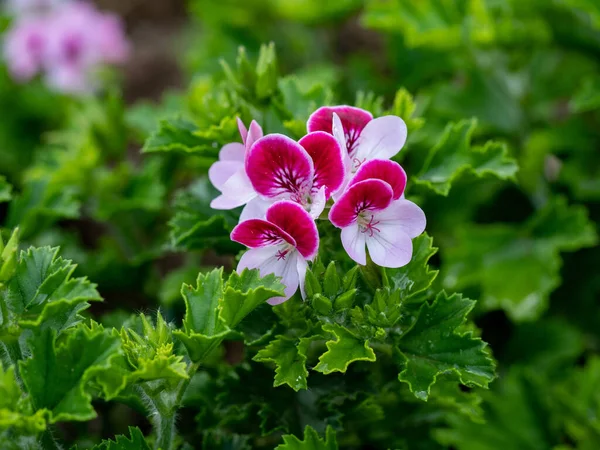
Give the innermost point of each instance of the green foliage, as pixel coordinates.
(453, 155)
(528, 255)
(435, 345)
(501, 103)
(311, 441)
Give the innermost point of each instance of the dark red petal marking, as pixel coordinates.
(278, 165)
(294, 220)
(327, 157)
(256, 233)
(368, 195)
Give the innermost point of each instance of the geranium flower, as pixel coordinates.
(306, 172)
(228, 174)
(372, 214)
(80, 40)
(280, 244)
(25, 48)
(363, 137)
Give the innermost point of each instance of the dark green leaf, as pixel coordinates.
(312, 441)
(434, 346)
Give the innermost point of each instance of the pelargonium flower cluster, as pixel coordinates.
(67, 41)
(342, 162)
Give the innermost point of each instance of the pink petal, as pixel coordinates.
(368, 195)
(353, 119)
(268, 261)
(328, 161)
(404, 216)
(353, 240)
(382, 169)
(256, 233)
(255, 209)
(232, 152)
(221, 171)
(381, 138)
(243, 130)
(294, 220)
(238, 187)
(255, 132)
(279, 167)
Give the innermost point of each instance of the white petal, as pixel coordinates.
(255, 209)
(221, 171)
(232, 152)
(337, 130)
(381, 138)
(388, 245)
(405, 216)
(268, 261)
(353, 240)
(318, 203)
(224, 202)
(238, 187)
(301, 266)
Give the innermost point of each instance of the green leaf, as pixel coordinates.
(528, 255)
(5, 190)
(312, 441)
(42, 292)
(196, 226)
(245, 292)
(121, 442)
(66, 367)
(177, 134)
(434, 346)
(14, 412)
(204, 329)
(517, 416)
(453, 155)
(289, 356)
(266, 71)
(417, 276)
(346, 349)
(404, 106)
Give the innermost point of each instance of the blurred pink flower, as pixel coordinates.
(69, 42)
(25, 47)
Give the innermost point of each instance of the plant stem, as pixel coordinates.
(165, 431)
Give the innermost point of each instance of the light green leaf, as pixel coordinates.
(453, 155)
(245, 292)
(42, 293)
(67, 367)
(346, 349)
(136, 442)
(179, 135)
(5, 190)
(14, 412)
(415, 277)
(312, 441)
(433, 346)
(289, 355)
(404, 106)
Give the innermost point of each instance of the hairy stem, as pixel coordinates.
(48, 442)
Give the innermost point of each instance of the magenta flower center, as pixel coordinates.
(73, 49)
(367, 224)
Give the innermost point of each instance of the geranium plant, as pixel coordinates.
(380, 236)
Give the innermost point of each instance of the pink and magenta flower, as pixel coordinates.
(67, 41)
(305, 172)
(356, 130)
(228, 174)
(373, 215)
(280, 244)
